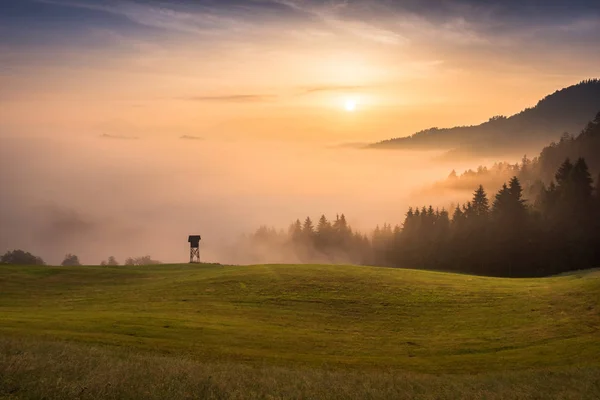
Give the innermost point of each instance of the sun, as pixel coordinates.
(350, 105)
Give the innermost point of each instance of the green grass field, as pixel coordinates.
(295, 331)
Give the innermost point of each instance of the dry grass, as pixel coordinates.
(56, 370)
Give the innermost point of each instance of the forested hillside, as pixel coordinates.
(566, 110)
(532, 173)
(543, 219)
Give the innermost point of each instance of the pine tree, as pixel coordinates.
(343, 222)
(480, 202)
(442, 222)
(409, 226)
(376, 233)
(597, 189)
(323, 233)
(295, 231)
(563, 174)
(308, 231)
(307, 227)
(501, 202)
(525, 172)
(457, 216)
(344, 231)
(509, 205)
(323, 226)
(430, 212)
(582, 182)
(515, 192)
(340, 226)
(548, 199)
(467, 209)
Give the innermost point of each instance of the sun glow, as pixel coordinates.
(350, 105)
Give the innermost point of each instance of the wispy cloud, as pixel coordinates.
(197, 20)
(122, 137)
(331, 14)
(234, 98)
(465, 22)
(211, 19)
(332, 88)
(191, 137)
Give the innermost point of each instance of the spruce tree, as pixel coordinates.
(517, 203)
(308, 231)
(525, 172)
(582, 183)
(443, 222)
(563, 174)
(480, 202)
(515, 190)
(323, 226)
(308, 226)
(457, 216)
(549, 195)
(597, 191)
(501, 202)
(467, 209)
(295, 231)
(323, 233)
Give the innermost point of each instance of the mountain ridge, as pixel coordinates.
(566, 110)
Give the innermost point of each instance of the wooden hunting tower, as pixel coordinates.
(194, 241)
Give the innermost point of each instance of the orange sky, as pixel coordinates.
(283, 79)
(76, 73)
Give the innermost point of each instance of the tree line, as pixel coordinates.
(502, 235)
(306, 241)
(21, 257)
(505, 235)
(536, 172)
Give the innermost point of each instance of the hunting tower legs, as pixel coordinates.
(194, 255)
(194, 241)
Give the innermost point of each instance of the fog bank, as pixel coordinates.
(121, 196)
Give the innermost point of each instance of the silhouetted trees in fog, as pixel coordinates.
(510, 237)
(144, 260)
(70, 260)
(20, 257)
(533, 173)
(326, 242)
(112, 261)
(500, 235)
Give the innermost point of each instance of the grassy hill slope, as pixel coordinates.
(295, 331)
(356, 316)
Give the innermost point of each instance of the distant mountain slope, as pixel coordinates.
(531, 172)
(566, 110)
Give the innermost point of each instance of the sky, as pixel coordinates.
(283, 69)
(127, 125)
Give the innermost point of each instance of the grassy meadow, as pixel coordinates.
(295, 331)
